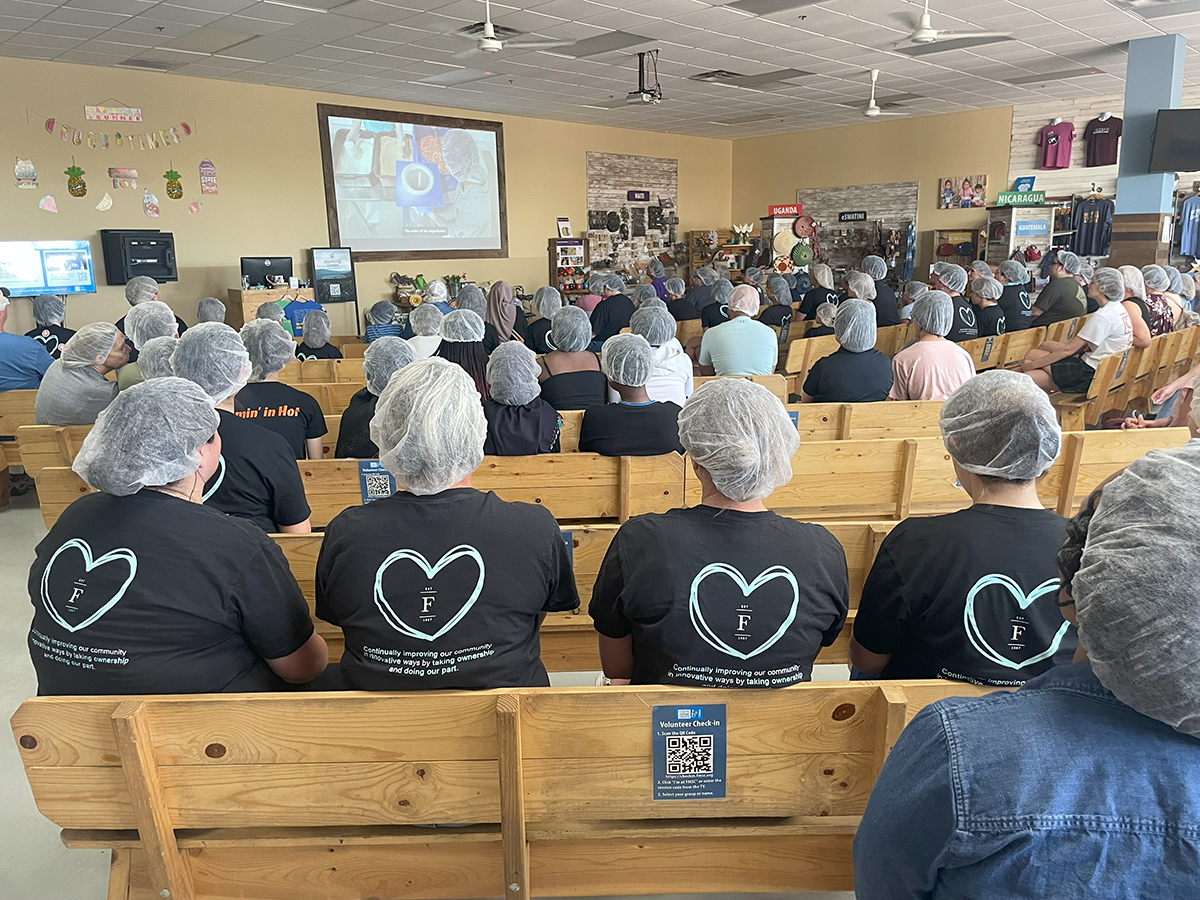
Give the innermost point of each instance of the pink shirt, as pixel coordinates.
(930, 370)
(587, 302)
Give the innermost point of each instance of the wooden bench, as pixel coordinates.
(1089, 457)
(16, 409)
(321, 796)
(891, 339)
(986, 352)
(866, 421)
(333, 396)
(1018, 343)
(801, 355)
(1077, 411)
(354, 350)
(773, 383)
(688, 329)
(1065, 329)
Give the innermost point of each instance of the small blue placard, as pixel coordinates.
(689, 752)
(1037, 226)
(376, 482)
(794, 415)
(569, 539)
(1024, 183)
(987, 349)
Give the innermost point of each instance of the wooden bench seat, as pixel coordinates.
(866, 421)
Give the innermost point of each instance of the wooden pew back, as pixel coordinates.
(1089, 457)
(776, 384)
(1018, 343)
(16, 409)
(987, 352)
(349, 369)
(50, 445)
(333, 396)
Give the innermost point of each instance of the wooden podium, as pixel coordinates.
(244, 303)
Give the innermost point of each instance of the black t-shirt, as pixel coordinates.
(52, 337)
(845, 377)
(1018, 308)
(991, 320)
(699, 296)
(431, 592)
(535, 335)
(814, 298)
(721, 598)
(325, 351)
(964, 324)
(610, 316)
(491, 338)
(521, 430)
(626, 429)
(713, 315)
(180, 325)
(354, 434)
(575, 390)
(819, 331)
(776, 316)
(969, 596)
(257, 478)
(886, 310)
(682, 310)
(292, 414)
(151, 594)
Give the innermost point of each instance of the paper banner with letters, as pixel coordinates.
(123, 140)
(112, 113)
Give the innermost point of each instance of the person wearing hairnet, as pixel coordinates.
(657, 274)
(546, 302)
(699, 295)
(257, 478)
(717, 312)
(210, 309)
(595, 288)
(636, 425)
(469, 208)
(381, 321)
(678, 305)
(74, 390)
(274, 312)
(505, 313)
(207, 603)
(985, 294)
(148, 320)
(779, 313)
(295, 311)
(1086, 271)
(886, 306)
(426, 323)
(383, 358)
(1164, 308)
(1062, 297)
(641, 294)
(912, 290)
(821, 292)
(471, 297)
(671, 379)
(432, 569)
(856, 372)
(981, 270)
(140, 289)
(825, 316)
(1014, 300)
(519, 421)
(23, 360)
(670, 602)
(1135, 305)
(742, 345)
(1096, 764)
(931, 367)
(952, 281)
(1180, 401)
(938, 602)
(462, 344)
(266, 401)
(155, 359)
(317, 332)
(48, 313)
(612, 313)
(1069, 366)
(570, 373)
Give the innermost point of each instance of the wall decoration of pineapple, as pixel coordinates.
(174, 186)
(76, 186)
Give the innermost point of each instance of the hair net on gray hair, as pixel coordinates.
(383, 357)
(382, 313)
(316, 329)
(462, 326)
(1111, 283)
(914, 289)
(675, 287)
(595, 282)
(512, 374)
(854, 325)
(1155, 278)
(154, 357)
(826, 314)
(1174, 279)
(462, 157)
(781, 294)
(933, 312)
(547, 300)
(627, 359)
(270, 310)
(643, 293)
(753, 275)
(615, 284)
(722, 289)
(269, 346)
(1134, 280)
(1140, 624)
(822, 275)
(90, 345)
(707, 275)
(1014, 271)
(1069, 261)
(1001, 424)
(49, 309)
(952, 276)
(210, 309)
(875, 267)
(655, 324)
(570, 330)
(139, 289)
(655, 269)
(987, 288)
(429, 425)
(150, 319)
(740, 433)
(982, 269)
(213, 356)
(437, 292)
(744, 299)
(861, 285)
(426, 319)
(472, 298)
(1087, 272)
(148, 436)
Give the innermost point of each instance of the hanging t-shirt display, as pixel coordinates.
(722, 598)
(1189, 226)
(432, 593)
(969, 596)
(1101, 136)
(1055, 141)
(1092, 221)
(257, 477)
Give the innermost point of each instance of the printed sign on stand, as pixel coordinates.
(689, 749)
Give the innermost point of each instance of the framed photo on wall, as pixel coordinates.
(962, 192)
(406, 186)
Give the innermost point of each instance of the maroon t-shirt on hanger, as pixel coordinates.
(1055, 141)
(1101, 136)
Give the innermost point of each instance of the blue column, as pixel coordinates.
(1153, 81)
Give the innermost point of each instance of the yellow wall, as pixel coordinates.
(263, 141)
(771, 169)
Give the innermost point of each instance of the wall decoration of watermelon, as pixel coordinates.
(174, 186)
(76, 186)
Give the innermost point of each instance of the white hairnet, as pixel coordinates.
(789, 279)
(384, 357)
(270, 310)
(753, 275)
(643, 293)
(987, 288)
(148, 436)
(1069, 261)
(740, 433)
(675, 287)
(707, 275)
(48, 309)
(381, 313)
(781, 294)
(1000, 423)
(933, 312)
(90, 345)
(854, 325)
(655, 269)
(875, 267)
(436, 291)
(627, 359)
(426, 319)
(316, 329)
(1174, 279)
(722, 288)
(472, 298)
(595, 282)
(1194, 413)
(952, 276)
(270, 347)
(914, 289)
(822, 275)
(982, 269)
(210, 309)
(656, 325)
(139, 289)
(826, 314)
(1014, 271)
(150, 319)
(547, 300)
(570, 329)
(4, 301)
(154, 357)
(1155, 278)
(429, 425)
(462, 326)
(744, 298)
(213, 356)
(861, 285)
(614, 283)
(1111, 283)
(1086, 272)
(1187, 286)
(462, 157)
(1138, 621)
(1134, 280)
(512, 374)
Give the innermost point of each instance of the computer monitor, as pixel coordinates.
(1176, 141)
(29, 268)
(256, 269)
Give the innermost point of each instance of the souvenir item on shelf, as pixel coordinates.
(804, 227)
(802, 254)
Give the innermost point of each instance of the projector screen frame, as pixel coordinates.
(327, 110)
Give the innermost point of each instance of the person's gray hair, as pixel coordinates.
(140, 288)
(861, 285)
(781, 294)
(1111, 283)
(743, 299)
(149, 319)
(90, 345)
(381, 313)
(547, 301)
(270, 347)
(1069, 261)
(270, 311)
(570, 330)
(875, 267)
(462, 326)
(316, 329)
(675, 287)
(210, 309)
(826, 314)
(655, 269)
(213, 356)
(383, 358)
(627, 359)
(933, 313)
(471, 297)
(987, 288)
(154, 358)
(854, 325)
(655, 324)
(426, 320)
(49, 309)
(512, 374)
(1014, 271)
(954, 277)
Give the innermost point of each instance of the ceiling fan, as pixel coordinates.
(488, 41)
(924, 32)
(872, 110)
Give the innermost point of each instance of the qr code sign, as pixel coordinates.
(690, 754)
(378, 485)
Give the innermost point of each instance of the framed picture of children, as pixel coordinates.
(962, 192)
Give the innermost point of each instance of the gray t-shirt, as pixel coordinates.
(72, 396)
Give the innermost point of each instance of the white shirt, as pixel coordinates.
(671, 380)
(425, 345)
(1107, 331)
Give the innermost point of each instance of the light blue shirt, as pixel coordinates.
(740, 346)
(23, 362)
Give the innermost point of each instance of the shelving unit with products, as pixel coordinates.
(700, 254)
(569, 265)
(956, 238)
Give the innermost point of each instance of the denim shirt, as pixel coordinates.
(1055, 790)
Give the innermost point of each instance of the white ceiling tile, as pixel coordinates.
(64, 29)
(166, 12)
(47, 41)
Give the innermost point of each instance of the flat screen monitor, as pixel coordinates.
(1176, 141)
(333, 275)
(29, 268)
(258, 268)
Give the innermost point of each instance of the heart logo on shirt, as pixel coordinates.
(218, 477)
(305, 357)
(741, 619)
(423, 603)
(49, 341)
(1025, 301)
(1024, 601)
(967, 316)
(89, 596)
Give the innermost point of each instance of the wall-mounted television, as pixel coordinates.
(1176, 141)
(29, 268)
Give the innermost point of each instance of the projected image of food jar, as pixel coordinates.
(418, 184)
